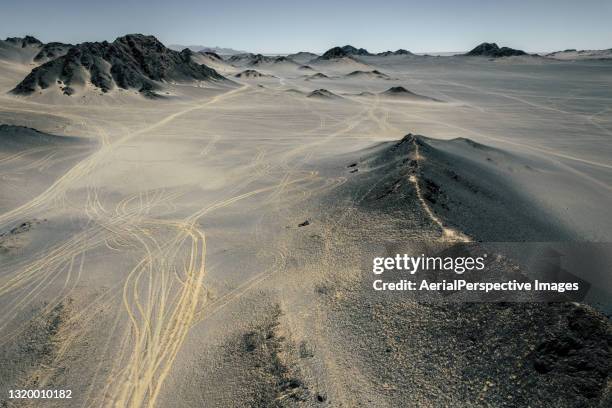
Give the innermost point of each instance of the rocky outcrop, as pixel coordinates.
(51, 51)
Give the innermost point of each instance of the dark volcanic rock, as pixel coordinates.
(302, 57)
(238, 57)
(350, 50)
(373, 74)
(579, 354)
(213, 55)
(258, 59)
(322, 93)
(493, 50)
(333, 53)
(401, 92)
(346, 51)
(250, 59)
(251, 73)
(23, 42)
(396, 90)
(284, 59)
(52, 51)
(134, 61)
(398, 52)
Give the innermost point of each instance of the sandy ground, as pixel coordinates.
(152, 255)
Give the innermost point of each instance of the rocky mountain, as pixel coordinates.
(212, 55)
(23, 42)
(494, 51)
(249, 59)
(19, 50)
(51, 51)
(133, 61)
(398, 52)
(342, 52)
(283, 59)
(350, 50)
(254, 60)
(302, 57)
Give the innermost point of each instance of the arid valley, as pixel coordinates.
(184, 229)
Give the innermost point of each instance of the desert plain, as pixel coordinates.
(208, 243)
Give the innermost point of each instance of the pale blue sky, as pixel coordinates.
(287, 26)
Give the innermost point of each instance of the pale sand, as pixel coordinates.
(165, 266)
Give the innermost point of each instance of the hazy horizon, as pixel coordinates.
(276, 27)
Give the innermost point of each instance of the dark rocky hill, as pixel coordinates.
(20, 50)
(212, 55)
(250, 59)
(24, 41)
(350, 50)
(494, 51)
(302, 57)
(323, 94)
(251, 73)
(398, 52)
(283, 59)
(259, 59)
(51, 51)
(341, 52)
(133, 61)
(367, 74)
(401, 92)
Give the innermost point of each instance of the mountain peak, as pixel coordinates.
(345, 51)
(493, 50)
(350, 50)
(148, 41)
(24, 41)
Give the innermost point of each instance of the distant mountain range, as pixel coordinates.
(254, 60)
(143, 63)
(573, 54)
(204, 48)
